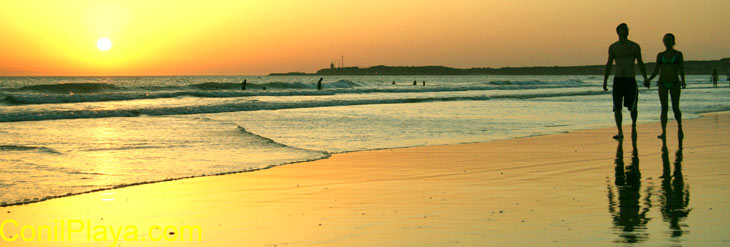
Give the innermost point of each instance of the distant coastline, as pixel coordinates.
(691, 68)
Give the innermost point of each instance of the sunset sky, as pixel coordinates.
(259, 37)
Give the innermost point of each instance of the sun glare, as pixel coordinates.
(104, 44)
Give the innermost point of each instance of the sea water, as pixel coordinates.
(68, 135)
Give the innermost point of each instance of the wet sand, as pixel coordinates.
(571, 189)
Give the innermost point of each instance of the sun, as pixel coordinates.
(104, 44)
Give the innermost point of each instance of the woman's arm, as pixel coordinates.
(681, 68)
(656, 68)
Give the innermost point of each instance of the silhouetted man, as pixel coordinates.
(319, 84)
(243, 84)
(625, 90)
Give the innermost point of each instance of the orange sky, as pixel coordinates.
(258, 37)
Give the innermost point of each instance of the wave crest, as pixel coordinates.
(536, 83)
(28, 148)
(215, 85)
(70, 87)
(256, 105)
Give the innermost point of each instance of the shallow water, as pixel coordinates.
(61, 135)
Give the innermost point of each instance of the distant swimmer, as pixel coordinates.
(625, 91)
(393, 83)
(424, 83)
(319, 84)
(414, 83)
(714, 77)
(264, 88)
(243, 84)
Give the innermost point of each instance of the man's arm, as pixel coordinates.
(608, 69)
(641, 65)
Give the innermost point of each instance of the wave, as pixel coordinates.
(215, 86)
(272, 85)
(524, 84)
(262, 140)
(28, 148)
(30, 99)
(341, 84)
(253, 105)
(69, 189)
(70, 88)
(227, 90)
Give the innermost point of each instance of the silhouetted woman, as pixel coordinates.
(671, 64)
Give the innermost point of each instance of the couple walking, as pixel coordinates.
(669, 66)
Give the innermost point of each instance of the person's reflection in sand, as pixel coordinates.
(675, 193)
(629, 216)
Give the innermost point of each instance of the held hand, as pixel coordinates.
(605, 87)
(684, 85)
(647, 83)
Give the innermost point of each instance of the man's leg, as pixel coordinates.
(634, 100)
(634, 116)
(619, 118)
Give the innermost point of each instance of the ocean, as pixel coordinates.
(68, 135)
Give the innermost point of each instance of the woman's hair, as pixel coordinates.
(674, 41)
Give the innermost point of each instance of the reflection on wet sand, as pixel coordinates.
(629, 209)
(674, 196)
(629, 213)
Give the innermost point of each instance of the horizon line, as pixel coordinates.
(314, 73)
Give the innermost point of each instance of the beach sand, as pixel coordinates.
(554, 190)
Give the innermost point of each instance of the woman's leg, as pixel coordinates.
(664, 108)
(675, 93)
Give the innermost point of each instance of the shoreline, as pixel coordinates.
(327, 156)
(542, 190)
(120, 186)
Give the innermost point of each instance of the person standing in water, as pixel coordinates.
(625, 90)
(243, 84)
(319, 84)
(714, 77)
(671, 64)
